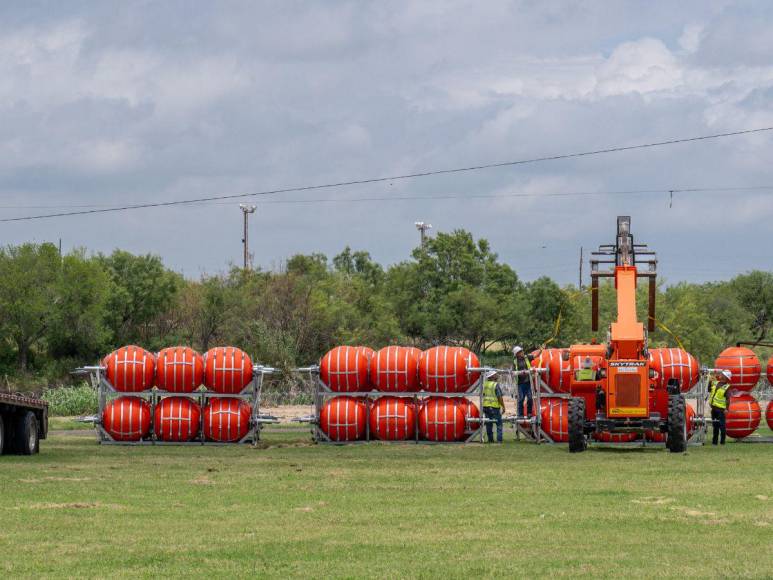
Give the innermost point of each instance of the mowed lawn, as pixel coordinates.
(293, 508)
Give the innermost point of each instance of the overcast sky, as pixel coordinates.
(107, 103)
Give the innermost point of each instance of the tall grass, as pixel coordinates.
(69, 401)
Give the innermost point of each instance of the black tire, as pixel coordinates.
(2, 435)
(676, 438)
(27, 434)
(577, 441)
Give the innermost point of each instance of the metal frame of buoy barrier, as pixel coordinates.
(322, 393)
(530, 428)
(106, 393)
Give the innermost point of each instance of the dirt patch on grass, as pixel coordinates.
(653, 500)
(202, 480)
(72, 505)
(50, 478)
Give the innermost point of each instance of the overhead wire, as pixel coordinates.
(420, 174)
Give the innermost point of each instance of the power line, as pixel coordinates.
(394, 177)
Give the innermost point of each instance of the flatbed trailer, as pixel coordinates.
(23, 423)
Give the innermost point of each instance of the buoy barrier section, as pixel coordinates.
(127, 418)
(227, 370)
(744, 365)
(343, 419)
(177, 419)
(392, 419)
(179, 369)
(558, 368)
(441, 419)
(471, 416)
(743, 416)
(769, 414)
(555, 418)
(448, 369)
(395, 369)
(674, 363)
(344, 369)
(130, 369)
(226, 419)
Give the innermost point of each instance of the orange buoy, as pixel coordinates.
(130, 369)
(443, 369)
(744, 365)
(770, 371)
(607, 437)
(343, 419)
(559, 371)
(674, 363)
(177, 419)
(743, 416)
(226, 419)
(179, 369)
(394, 369)
(555, 418)
(127, 418)
(392, 419)
(227, 370)
(441, 419)
(344, 369)
(471, 415)
(769, 414)
(367, 351)
(659, 437)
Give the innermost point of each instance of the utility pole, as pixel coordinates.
(246, 211)
(579, 286)
(423, 227)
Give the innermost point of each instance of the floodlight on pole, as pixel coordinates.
(423, 227)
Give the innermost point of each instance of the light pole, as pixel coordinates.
(246, 211)
(423, 227)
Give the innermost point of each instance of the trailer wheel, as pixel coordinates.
(577, 441)
(2, 435)
(676, 438)
(27, 434)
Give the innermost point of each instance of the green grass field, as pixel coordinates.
(293, 508)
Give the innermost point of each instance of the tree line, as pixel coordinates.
(61, 311)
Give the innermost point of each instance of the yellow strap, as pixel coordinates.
(671, 334)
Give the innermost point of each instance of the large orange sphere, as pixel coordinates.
(674, 363)
(770, 371)
(177, 419)
(179, 369)
(127, 418)
(227, 370)
(226, 419)
(392, 419)
(130, 369)
(343, 419)
(769, 414)
(395, 369)
(441, 419)
(555, 418)
(743, 416)
(344, 369)
(559, 371)
(744, 365)
(443, 369)
(367, 351)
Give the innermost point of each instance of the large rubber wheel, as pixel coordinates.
(27, 435)
(2, 435)
(676, 438)
(577, 441)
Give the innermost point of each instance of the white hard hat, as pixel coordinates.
(491, 374)
(516, 350)
(727, 374)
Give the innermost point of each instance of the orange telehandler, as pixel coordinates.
(611, 383)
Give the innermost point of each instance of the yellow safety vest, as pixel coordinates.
(490, 398)
(586, 375)
(717, 397)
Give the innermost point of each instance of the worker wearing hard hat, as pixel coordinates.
(493, 406)
(521, 363)
(718, 401)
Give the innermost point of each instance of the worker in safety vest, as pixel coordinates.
(493, 406)
(521, 363)
(586, 373)
(718, 401)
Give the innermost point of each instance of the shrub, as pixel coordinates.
(70, 401)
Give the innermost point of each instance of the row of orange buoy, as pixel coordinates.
(345, 418)
(178, 369)
(177, 419)
(442, 369)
